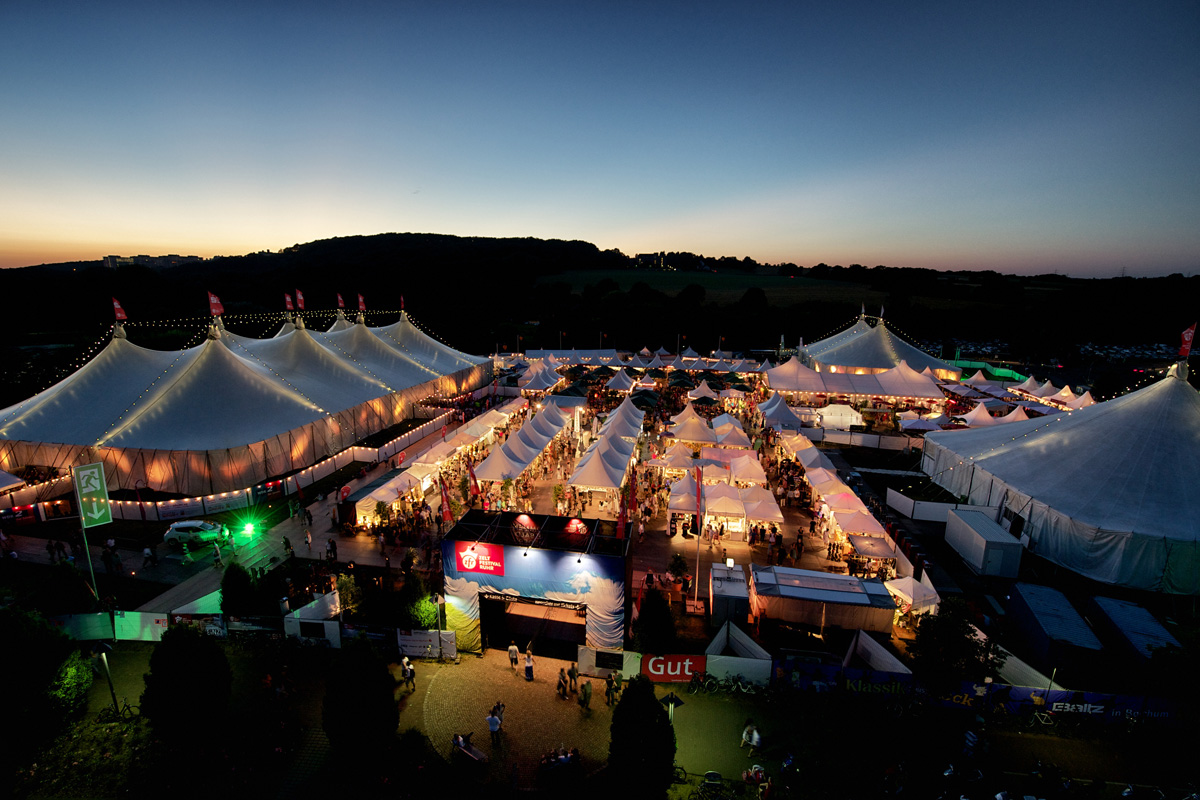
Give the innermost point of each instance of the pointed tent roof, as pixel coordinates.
(723, 500)
(872, 348)
(542, 380)
(1016, 415)
(977, 379)
(1029, 385)
(180, 412)
(903, 381)
(331, 382)
(688, 413)
(621, 382)
(1083, 401)
(792, 376)
(423, 349)
(662, 351)
(287, 327)
(361, 348)
(703, 390)
(655, 363)
(694, 430)
(978, 417)
(1047, 389)
(1064, 395)
(689, 353)
(766, 365)
(747, 469)
(1112, 485)
(340, 323)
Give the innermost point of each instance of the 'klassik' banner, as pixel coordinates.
(475, 557)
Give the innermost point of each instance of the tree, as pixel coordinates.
(642, 739)
(188, 685)
(239, 595)
(654, 629)
(947, 652)
(359, 712)
(350, 596)
(414, 600)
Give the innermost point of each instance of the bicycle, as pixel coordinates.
(712, 787)
(1040, 718)
(125, 713)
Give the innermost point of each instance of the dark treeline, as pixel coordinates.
(478, 293)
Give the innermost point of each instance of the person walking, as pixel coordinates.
(493, 723)
(573, 677)
(514, 655)
(146, 554)
(609, 689)
(585, 695)
(217, 562)
(187, 554)
(528, 664)
(561, 688)
(308, 538)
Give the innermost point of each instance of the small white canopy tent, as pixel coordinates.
(840, 417)
(914, 596)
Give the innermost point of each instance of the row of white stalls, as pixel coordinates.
(410, 484)
(845, 519)
(605, 464)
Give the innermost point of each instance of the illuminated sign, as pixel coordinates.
(672, 669)
(475, 557)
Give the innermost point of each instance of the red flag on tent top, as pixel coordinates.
(287, 302)
(401, 302)
(214, 305)
(341, 302)
(362, 304)
(300, 299)
(120, 312)
(1188, 335)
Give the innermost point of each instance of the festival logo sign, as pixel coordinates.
(475, 557)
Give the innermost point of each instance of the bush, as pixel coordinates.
(654, 630)
(188, 686)
(239, 597)
(70, 689)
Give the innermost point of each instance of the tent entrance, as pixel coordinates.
(553, 629)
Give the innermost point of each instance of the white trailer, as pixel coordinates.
(987, 548)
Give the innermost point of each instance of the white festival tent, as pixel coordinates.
(1030, 385)
(867, 347)
(230, 412)
(978, 417)
(778, 414)
(693, 430)
(621, 382)
(1083, 401)
(703, 390)
(1016, 415)
(688, 413)
(1107, 491)
(914, 596)
(840, 417)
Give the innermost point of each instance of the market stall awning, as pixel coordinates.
(872, 546)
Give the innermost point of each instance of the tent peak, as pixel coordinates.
(118, 331)
(299, 322)
(214, 332)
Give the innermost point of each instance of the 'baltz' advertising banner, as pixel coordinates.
(476, 557)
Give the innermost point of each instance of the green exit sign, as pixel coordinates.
(92, 491)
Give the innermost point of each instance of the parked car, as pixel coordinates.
(193, 531)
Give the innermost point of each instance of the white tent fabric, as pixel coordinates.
(542, 381)
(1029, 385)
(603, 466)
(916, 425)
(340, 323)
(871, 546)
(793, 376)
(858, 522)
(621, 382)
(703, 390)
(693, 430)
(1016, 415)
(287, 327)
(873, 348)
(1047, 389)
(689, 353)
(915, 596)
(840, 417)
(977, 379)
(224, 415)
(1083, 401)
(1107, 491)
(721, 499)
(978, 417)
(746, 469)
(777, 414)
(688, 413)
(732, 436)
(513, 457)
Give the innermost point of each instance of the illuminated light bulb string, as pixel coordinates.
(289, 384)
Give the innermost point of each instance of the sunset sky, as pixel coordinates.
(1020, 137)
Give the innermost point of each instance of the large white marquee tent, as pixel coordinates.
(232, 411)
(1108, 491)
(872, 348)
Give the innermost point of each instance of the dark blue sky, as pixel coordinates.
(1022, 137)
